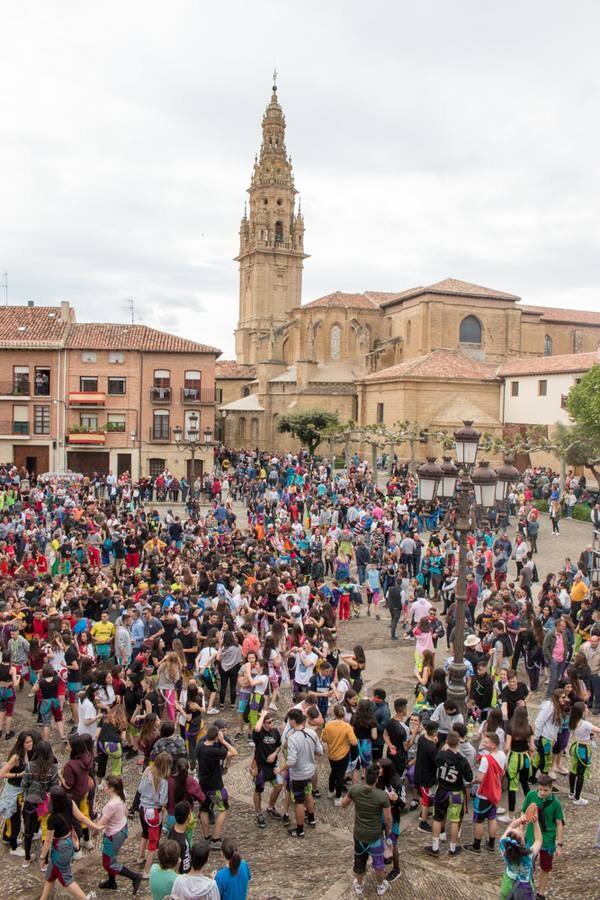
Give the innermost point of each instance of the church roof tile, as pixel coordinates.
(550, 365)
(229, 368)
(437, 364)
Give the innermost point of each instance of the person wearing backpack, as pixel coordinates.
(40, 776)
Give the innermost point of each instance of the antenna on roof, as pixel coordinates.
(130, 302)
(5, 287)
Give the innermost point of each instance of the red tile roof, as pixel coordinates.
(454, 288)
(100, 336)
(550, 365)
(437, 364)
(229, 368)
(340, 299)
(570, 316)
(34, 326)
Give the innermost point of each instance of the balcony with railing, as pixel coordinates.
(15, 388)
(159, 434)
(87, 398)
(192, 396)
(85, 436)
(161, 394)
(10, 428)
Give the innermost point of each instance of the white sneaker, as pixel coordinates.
(500, 811)
(358, 888)
(78, 855)
(581, 802)
(382, 888)
(37, 836)
(505, 818)
(212, 712)
(20, 851)
(571, 795)
(87, 845)
(337, 801)
(274, 707)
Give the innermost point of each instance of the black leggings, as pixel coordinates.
(228, 675)
(336, 776)
(512, 795)
(31, 822)
(576, 781)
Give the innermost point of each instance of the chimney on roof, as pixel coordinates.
(30, 303)
(65, 311)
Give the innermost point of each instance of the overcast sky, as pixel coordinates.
(429, 140)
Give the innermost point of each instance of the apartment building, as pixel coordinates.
(98, 397)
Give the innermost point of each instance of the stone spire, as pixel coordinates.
(271, 240)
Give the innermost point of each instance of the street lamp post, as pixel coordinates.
(471, 489)
(190, 440)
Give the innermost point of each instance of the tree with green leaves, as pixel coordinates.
(577, 445)
(310, 426)
(583, 401)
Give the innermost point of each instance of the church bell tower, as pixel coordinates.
(271, 241)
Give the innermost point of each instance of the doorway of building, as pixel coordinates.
(123, 463)
(34, 459)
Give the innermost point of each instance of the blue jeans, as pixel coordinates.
(556, 671)
(361, 572)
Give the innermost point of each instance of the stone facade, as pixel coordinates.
(346, 351)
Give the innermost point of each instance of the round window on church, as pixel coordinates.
(265, 201)
(279, 202)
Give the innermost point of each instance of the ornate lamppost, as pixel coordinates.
(190, 440)
(472, 491)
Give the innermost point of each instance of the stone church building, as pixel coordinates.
(430, 354)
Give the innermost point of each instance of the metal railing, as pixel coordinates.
(14, 427)
(161, 394)
(192, 396)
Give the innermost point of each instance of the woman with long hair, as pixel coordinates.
(233, 879)
(111, 737)
(275, 662)
(50, 707)
(169, 673)
(113, 820)
(78, 777)
(11, 774)
(58, 848)
(153, 789)
(519, 749)
(182, 786)
(548, 724)
(518, 858)
(580, 751)
(364, 724)
(39, 777)
(424, 673)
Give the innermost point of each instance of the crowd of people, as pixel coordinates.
(132, 639)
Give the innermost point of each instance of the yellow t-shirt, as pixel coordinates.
(103, 632)
(339, 737)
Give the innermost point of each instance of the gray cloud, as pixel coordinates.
(444, 140)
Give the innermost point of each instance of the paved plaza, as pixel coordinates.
(320, 866)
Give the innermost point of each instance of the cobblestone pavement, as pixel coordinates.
(320, 866)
